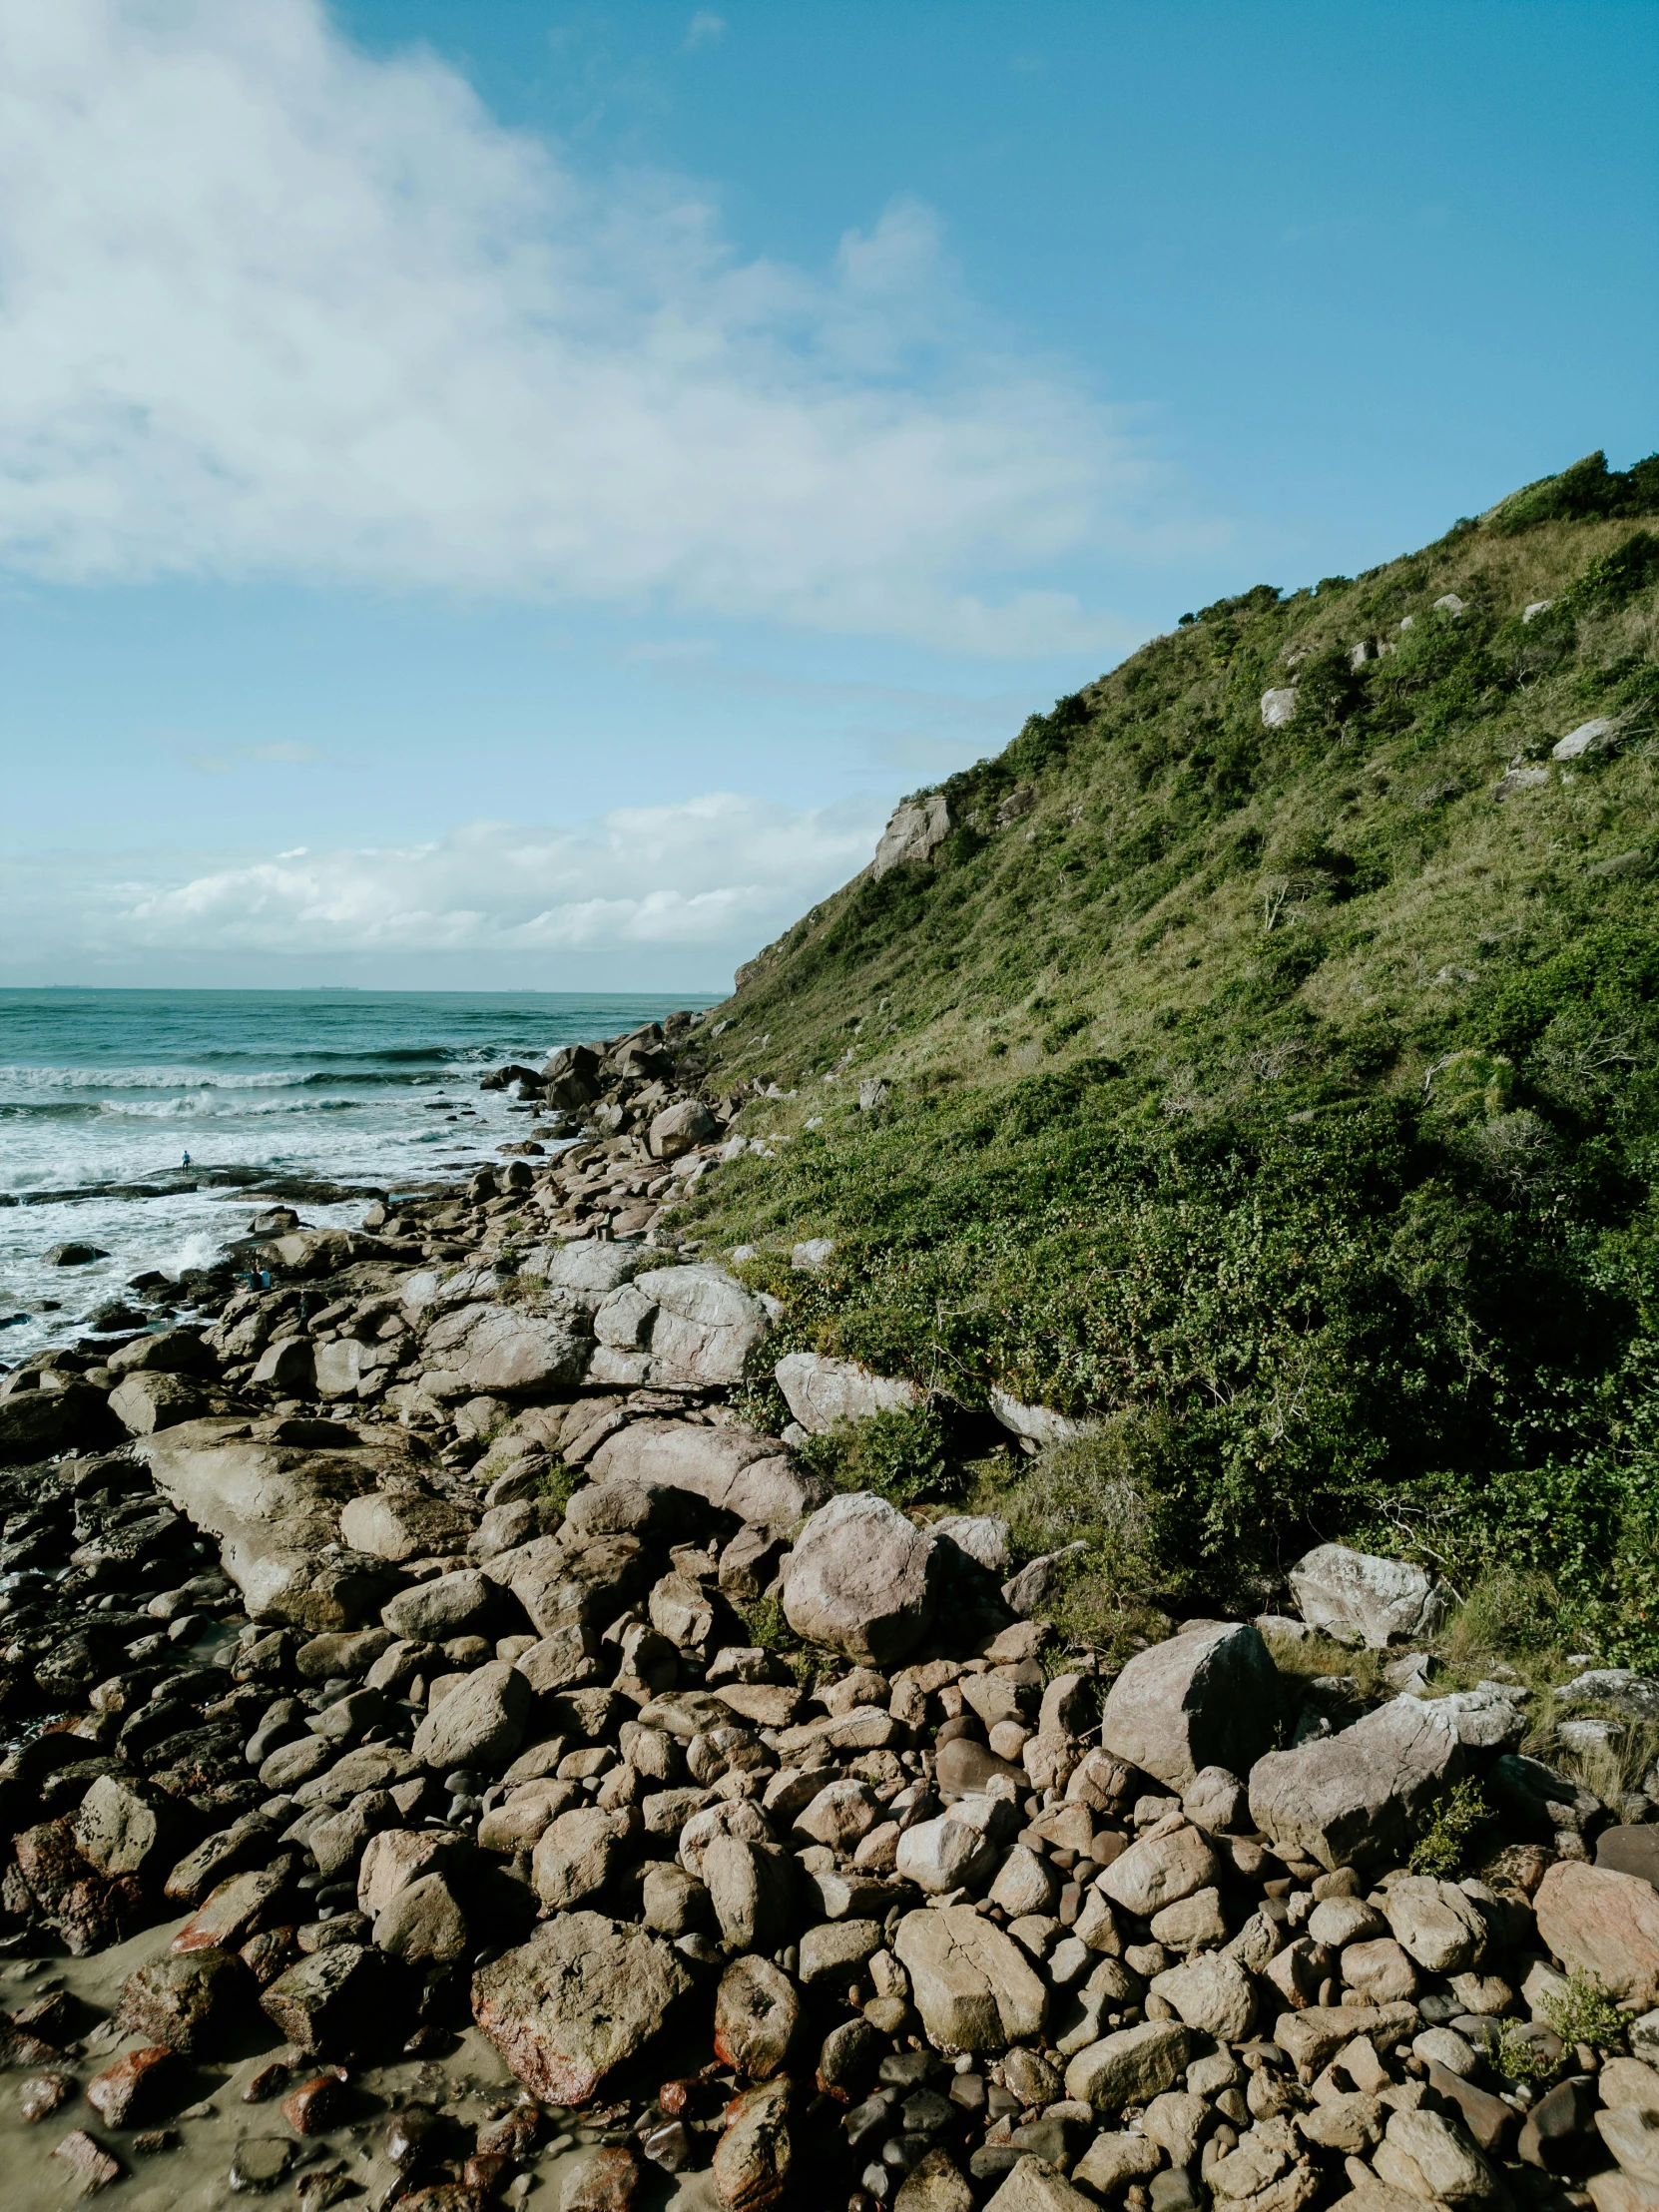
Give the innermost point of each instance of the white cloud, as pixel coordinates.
(270, 306)
(719, 871)
(704, 29)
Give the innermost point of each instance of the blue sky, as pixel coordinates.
(511, 494)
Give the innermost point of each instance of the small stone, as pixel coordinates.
(43, 2093)
(318, 2104)
(260, 2162)
(126, 2093)
(94, 2167)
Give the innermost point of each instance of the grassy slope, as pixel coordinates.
(1279, 1096)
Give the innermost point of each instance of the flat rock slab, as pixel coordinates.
(584, 1994)
(275, 1506)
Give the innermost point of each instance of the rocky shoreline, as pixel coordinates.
(452, 1759)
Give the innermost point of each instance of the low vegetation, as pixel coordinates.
(1279, 1096)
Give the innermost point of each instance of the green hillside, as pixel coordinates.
(1283, 1096)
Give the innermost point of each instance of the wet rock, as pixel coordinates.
(1207, 1698)
(752, 2158)
(190, 2002)
(136, 2087)
(581, 1996)
(127, 1826)
(91, 2165)
(756, 2015)
(333, 2001)
(424, 1924)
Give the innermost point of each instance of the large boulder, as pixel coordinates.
(860, 1580)
(1354, 1798)
(402, 1523)
(820, 1392)
(481, 1723)
(457, 1604)
(146, 1402)
(681, 1128)
(506, 1350)
(974, 1988)
(707, 1324)
(1209, 1698)
(36, 1423)
(734, 1470)
(1598, 1921)
(1129, 2067)
(1358, 1598)
(276, 1507)
(579, 1997)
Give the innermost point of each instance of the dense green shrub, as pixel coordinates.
(1280, 1095)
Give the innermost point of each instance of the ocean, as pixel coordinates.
(104, 1094)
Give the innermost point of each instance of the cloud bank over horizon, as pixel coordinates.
(270, 306)
(678, 890)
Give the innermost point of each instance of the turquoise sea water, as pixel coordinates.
(104, 1090)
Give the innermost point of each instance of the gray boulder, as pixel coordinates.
(1036, 1425)
(731, 1469)
(820, 1392)
(679, 1129)
(1360, 1598)
(456, 1604)
(1208, 1698)
(481, 1723)
(974, 1988)
(1353, 1799)
(860, 1580)
(707, 1324)
(505, 1351)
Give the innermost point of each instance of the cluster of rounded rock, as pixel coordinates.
(930, 1934)
(446, 1738)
